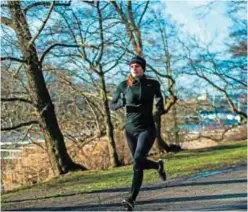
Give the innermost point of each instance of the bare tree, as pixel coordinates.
(236, 11)
(212, 69)
(95, 64)
(226, 71)
(39, 95)
(133, 21)
(79, 110)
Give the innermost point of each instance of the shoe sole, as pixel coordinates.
(127, 205)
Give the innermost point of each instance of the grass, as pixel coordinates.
(181, 164)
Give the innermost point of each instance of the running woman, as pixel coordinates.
(137, 94)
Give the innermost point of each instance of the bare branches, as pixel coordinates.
(13, 59)
(7, 21)
(205, 9)
(134, 30)
(143, 13)
(127, 25)
(116, 62)
(130, 12)
(64, 45)
(119, 11)
(43, 24)
(230, 102)
(101, 34)
(45, 3)
(161, 75)
(215, 137)
(236, 80)
(17, 100)
(198, 71)
(19, 125)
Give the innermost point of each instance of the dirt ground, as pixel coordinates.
(218, 190)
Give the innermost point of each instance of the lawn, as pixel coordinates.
(182, 164)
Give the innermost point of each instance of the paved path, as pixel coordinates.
(221, 190)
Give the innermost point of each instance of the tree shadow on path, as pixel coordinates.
(145, 188)
(116, 206)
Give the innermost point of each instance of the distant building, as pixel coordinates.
(203, 96)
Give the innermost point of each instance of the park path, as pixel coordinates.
(218, 190)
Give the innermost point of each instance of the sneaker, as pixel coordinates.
(128, 204)
(161, 170)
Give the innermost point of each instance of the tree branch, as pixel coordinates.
(126, 22)
(143, 13)
(47, 3)
(20, 125)
(228, 98)
(230, 102)
(116, 62)
(236, 80)
(16, 99)
(4, 5)
(7, 21)
(162, 75)
(135, 30)
(63, 45)
(101, 34)
(216, 137)
(13, 59)
(43, 24)
(119, 10)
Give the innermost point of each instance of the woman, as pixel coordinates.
(137, 94)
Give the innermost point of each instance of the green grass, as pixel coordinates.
(182, 164)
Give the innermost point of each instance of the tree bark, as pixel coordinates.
(170, 86)
(163, 146)
(58, 156)
(114, 161)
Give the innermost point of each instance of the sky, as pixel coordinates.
(213, 26)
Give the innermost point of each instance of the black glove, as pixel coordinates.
(123, 99)
(159, 113)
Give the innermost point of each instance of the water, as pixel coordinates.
(207, 124)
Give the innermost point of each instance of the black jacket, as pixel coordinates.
(138, 100)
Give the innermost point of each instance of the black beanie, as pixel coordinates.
(141, 61)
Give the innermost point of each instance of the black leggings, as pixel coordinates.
(140, 144)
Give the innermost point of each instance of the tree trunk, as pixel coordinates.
(174, 109)
(114, 161)
(161, 144)
(175, 124)
(58, 156)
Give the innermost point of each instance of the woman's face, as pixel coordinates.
(136, 70)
